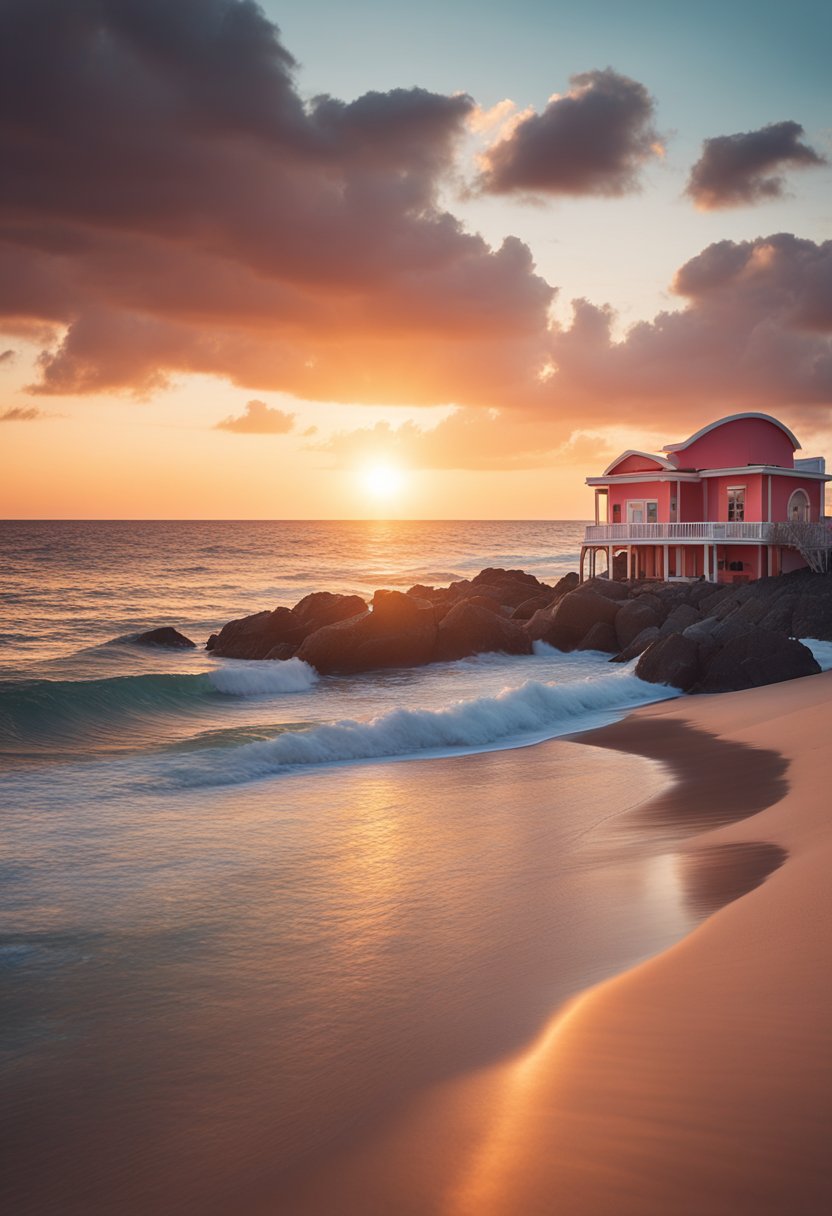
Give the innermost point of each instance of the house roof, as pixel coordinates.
(660, 461)
(680, 447)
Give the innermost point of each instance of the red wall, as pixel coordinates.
(639, 491)
(782, 489)
(746, 441)
(717, 496)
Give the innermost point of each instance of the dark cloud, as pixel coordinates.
(169, 203)
(7, 356)
(258, 419)
(593, 140)
(20, 413)
(735, 170)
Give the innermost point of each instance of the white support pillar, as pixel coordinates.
(597, 512)
(706, 562)
(666, 570)
(680, 559)
(581, 564)
(629, 562)
(609, 560)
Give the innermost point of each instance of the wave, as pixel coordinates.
(822, 652)
(517, 716)
(40, 712)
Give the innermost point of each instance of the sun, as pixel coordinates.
(382, 480)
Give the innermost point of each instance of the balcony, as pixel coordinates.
(792, 535)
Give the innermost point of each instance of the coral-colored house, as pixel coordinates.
(729, 504)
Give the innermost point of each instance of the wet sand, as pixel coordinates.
(699, 1082)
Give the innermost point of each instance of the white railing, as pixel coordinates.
(817, 535)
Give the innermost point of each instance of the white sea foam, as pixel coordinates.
(821, 650)
(521, 715)
(263, 679)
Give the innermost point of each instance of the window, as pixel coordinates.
(799, 507)
(640, 512)
(736, 504)
(616, 513)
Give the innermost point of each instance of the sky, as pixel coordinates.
(313, 260)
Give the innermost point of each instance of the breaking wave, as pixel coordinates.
(517, 716)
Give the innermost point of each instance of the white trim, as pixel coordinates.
(623, 479)
(808, 517)
(680, 447)
(771, 469)
(659, 460)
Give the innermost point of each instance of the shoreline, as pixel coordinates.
(697, 1081)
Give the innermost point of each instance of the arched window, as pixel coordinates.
(798, 509)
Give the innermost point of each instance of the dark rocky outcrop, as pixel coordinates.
(634, 617)
(167, 636)
(638, 645)
(600, 637)
(257, 636)
(754, 658)
(568, 623)
(399, 632)
(673, 660)
(470, 629)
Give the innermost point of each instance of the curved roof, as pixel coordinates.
(680, 447)
(659, 461)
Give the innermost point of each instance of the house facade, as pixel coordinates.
(730, 504)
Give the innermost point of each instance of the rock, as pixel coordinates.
(491, 605)
(607, 587)
(212, 641)
(572, 618)
(166, 636)
(708, 603)
(471, 629)
(526, 610)
(283, 650)
(634, 616)
(780, 614)
(564, 585)
(756, 657)
(399, 632)
(494, 575)
(812, 616)
(255, 636)
(699, 593)
(672, 659)
(602, 637)
(679, 619)
(702, 631)
(638, 645)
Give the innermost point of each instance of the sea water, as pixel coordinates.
(248, 910)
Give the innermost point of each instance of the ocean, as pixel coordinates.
(247, 912)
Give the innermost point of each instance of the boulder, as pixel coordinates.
(672, 659)
(572, 618)
(698, 593)
(608, 587)
(755, 658)
(212, 641)
(564, 585)
(526, 610)
(634, 616)
(166, 636)
(491, 605)
(255, 636)
(780, 614)
(638, 645)
(812, 616)
(399, 632)
(471, 629)
(678, 620)
(601, 636)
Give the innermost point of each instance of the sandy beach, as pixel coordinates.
(699, 1082)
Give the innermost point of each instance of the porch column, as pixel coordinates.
(666, 570)
(706, 562)
(609, 560)
(629, 562)
(680, 560)
(768, 560)
(597, 512)
(581, 564)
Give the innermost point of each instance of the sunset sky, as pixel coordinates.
(315, 260)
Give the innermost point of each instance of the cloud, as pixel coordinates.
(20, 413)
(593, 140)
(258, 419)
(7, 356)
(208, 220)
(736, 170)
